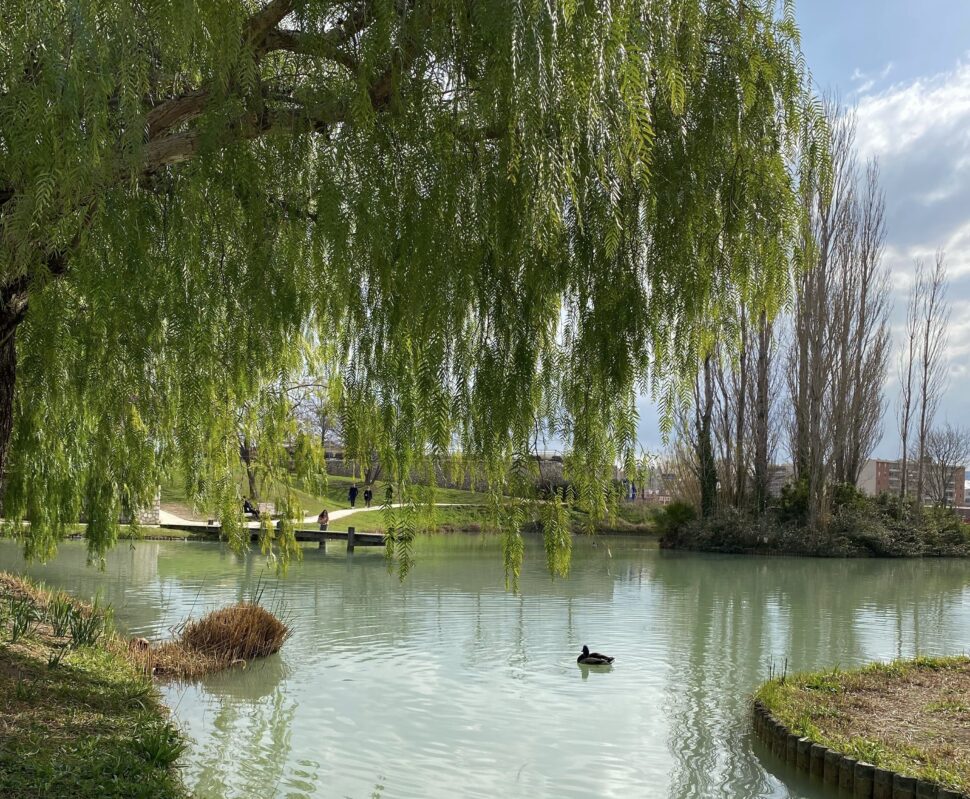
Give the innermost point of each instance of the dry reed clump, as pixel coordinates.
(226, 637)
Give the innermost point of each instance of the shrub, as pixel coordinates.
(674, 517)
(944, 526)
(793, 502)
(846, 495)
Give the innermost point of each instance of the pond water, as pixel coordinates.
(448, 685)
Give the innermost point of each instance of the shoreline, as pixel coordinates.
(79, 718)
(894, 730)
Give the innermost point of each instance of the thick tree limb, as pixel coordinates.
(323, 46)
(171, 113)
(265, 20)
(181, 147)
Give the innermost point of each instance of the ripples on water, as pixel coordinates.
(447, 685)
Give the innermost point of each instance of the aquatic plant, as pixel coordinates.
(229, 636)
(238, 632)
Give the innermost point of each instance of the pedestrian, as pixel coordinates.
(368, 496)
(323, 519)
(249, 509)
(389, 493)
(352, 495)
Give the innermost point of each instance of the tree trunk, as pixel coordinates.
(761, 421)
(246, 449)
(705, 448)
(373, 472)
(8, 381)
(741, 457)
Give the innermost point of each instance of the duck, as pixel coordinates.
(593, 658)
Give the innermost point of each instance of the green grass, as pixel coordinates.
(446, 519)
(472, 516)
(835, 708)
(334, 498)
(79, 722)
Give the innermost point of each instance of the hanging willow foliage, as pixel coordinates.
(496, 217)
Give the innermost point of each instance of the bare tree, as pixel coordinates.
(729, 429)
(746, 419)
(703, 412)
(293, 404)
(764, 379)
(861, 333)
(934, 319)
(947, 453)
(810, 370)
(840, 333)
(907, 370)
(316, 413)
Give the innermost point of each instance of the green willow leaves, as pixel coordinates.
(495, 218)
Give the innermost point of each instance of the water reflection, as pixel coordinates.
(447, 684)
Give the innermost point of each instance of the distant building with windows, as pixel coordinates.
(880, 477)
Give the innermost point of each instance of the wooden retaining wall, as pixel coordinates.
(846, 775)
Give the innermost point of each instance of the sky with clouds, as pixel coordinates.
(905, 67)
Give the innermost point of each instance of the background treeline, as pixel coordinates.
(805, 382)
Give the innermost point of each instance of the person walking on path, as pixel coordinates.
(368, 496)
(323, 519)
(352, 495)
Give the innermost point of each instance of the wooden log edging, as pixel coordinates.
(846, 775)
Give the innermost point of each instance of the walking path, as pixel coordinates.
(164, 517)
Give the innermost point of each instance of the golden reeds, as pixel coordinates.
(226, 637)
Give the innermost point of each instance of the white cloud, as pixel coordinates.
(867, 80)
(919, 131)
(900, 117)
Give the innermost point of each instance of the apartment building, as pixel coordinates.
(879, 477)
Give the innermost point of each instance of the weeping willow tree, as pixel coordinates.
(496, 218)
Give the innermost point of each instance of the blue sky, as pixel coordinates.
(905, 67)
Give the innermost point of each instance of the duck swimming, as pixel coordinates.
(593, 658)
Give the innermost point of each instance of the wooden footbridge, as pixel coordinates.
(350, 535)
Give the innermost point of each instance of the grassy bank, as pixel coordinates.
(77, 718)
(911, 717)
(457, 510)
(175, 501)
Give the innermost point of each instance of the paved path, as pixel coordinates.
(164, 517)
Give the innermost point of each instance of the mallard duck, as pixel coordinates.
(593, 658)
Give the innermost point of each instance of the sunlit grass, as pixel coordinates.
(907, 716)
(78, 718)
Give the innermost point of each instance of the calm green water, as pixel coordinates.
(447, 685)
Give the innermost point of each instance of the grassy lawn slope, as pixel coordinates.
(77, 719)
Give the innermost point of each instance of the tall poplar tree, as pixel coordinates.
(491, 213)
